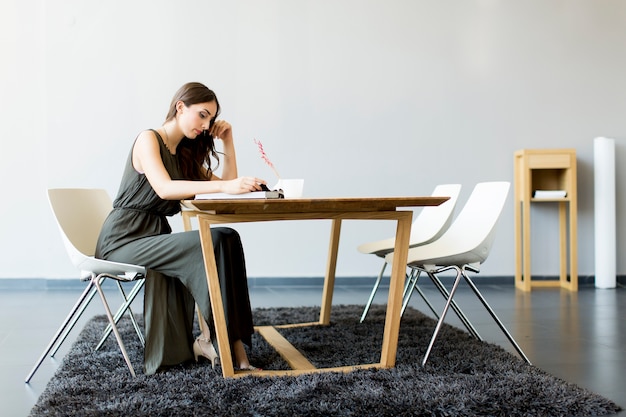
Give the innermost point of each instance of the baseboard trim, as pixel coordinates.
(261, 282)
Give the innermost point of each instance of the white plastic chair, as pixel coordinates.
(80, 214)
(430, 223)
(464, 247)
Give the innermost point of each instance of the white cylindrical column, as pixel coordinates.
(604, 207)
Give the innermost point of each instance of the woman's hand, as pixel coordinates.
(242, 185)
(221, 129)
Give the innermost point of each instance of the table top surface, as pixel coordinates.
(307, 205)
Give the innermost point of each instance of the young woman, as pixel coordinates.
(166, 165)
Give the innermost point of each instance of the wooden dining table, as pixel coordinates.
(212, 211)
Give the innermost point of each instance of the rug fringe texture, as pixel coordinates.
(464, 377)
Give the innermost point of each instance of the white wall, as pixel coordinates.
(360, 98)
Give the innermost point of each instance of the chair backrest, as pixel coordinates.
(80, 213)
(471, 235)
(433, 221)
(429, 224)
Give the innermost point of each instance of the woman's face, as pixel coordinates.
(196, 118)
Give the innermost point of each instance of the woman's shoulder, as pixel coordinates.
(149, 133)
(149, 136)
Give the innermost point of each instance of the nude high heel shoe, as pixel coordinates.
(203, 347)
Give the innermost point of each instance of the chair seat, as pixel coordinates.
(92, 265)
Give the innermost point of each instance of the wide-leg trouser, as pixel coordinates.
(176, 281)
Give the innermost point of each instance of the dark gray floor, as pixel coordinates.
(579, 337)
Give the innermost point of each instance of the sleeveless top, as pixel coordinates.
(137, 210)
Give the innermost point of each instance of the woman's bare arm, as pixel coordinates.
(147, 160)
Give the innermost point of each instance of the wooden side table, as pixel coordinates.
(551, 171)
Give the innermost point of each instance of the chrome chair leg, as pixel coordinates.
(75, 319)
(406, 290)
(128, 300)
(443, 314)
(413, 278)
(135, 290)
(68, 319)
(409, 286)
(120, 342)
(376, 285)
(442, 289)
(495, 317)
(461, 272)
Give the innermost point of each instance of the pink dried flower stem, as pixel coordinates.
(265, 158)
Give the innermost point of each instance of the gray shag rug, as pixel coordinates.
(463, 377)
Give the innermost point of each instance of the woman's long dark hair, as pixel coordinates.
(195, 154)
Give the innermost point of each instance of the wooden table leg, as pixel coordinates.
(396, 288)
(331, 268)
(215, 294)
(186, 216)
